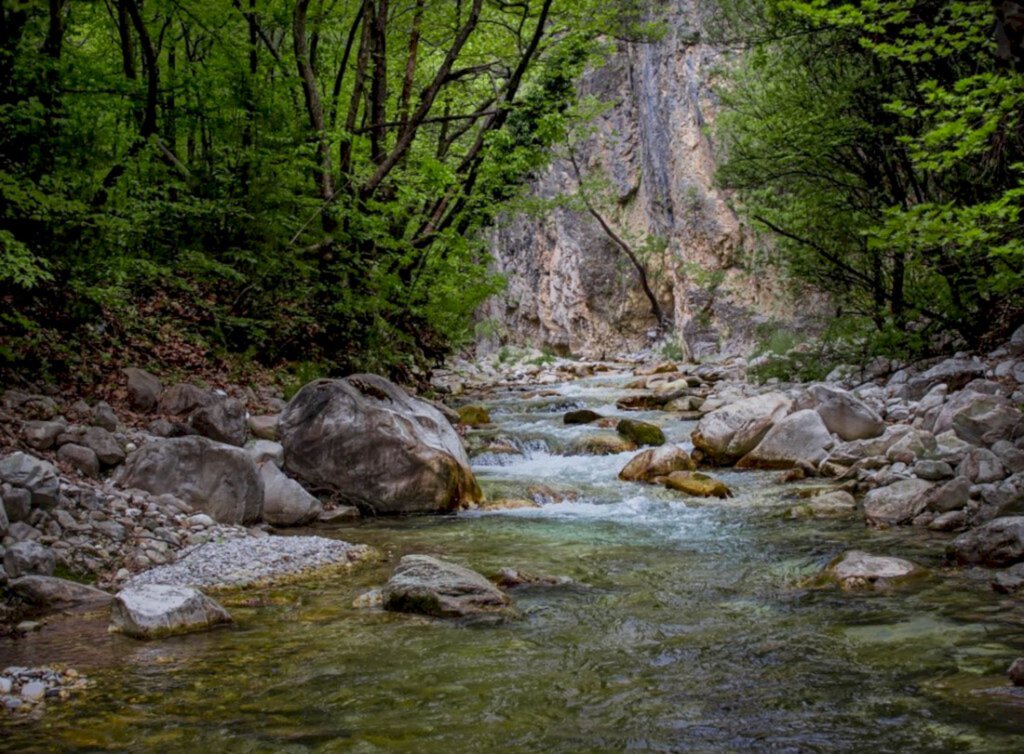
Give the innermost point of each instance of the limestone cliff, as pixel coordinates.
(569, 287)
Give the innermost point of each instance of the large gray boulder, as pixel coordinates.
(898, 503)
(218, 479)
(103, 444)
(151, 611)
(33, 474)
(28, 557)
(285, 501)
(182, 399)
(143, 389)
(998, 543)
(223, 420)
(801, 440)
(426, 585)
(729, 433)
(376, 447)
(843, 413)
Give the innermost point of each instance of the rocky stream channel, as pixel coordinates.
(658, 622)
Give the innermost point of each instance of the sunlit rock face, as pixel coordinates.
(569, 287)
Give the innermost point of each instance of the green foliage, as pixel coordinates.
(880, 145)
(286, 180)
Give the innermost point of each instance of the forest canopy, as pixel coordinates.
(295, 180)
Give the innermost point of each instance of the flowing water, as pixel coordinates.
(687, 628)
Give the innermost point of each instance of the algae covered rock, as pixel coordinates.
(641, 433)
(859, 570)
(474, 416)
(429, 586)
(696, 484)
(374, 446)
(602, 444)
(656, 462)
(583, 416)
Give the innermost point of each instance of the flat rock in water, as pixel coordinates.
(583, 416)
(428, 586)
(601, 444)
(154, 610)
(58, 594)
(856, 569)
(696, 484)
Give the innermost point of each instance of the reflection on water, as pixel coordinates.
(686, 629)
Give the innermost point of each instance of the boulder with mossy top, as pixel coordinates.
(474, 416)
(656, 462)
(695, 484)
(642, 433)
(601, 444)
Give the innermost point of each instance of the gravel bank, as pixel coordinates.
(242, 562)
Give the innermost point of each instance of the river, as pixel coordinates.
(688, 627)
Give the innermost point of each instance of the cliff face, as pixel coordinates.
(570, 288)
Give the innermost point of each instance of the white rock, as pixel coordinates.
(155, 610)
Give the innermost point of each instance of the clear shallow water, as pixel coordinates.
(687, 630)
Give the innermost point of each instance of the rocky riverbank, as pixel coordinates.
(186, 488)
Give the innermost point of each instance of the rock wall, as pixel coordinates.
(569, 287)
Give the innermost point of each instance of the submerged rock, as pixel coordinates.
(154, 610)
(1009, 581)
(512, 578)
(601, 445)
(582, 416)
(474, 416)
(697, 485)
(858, 570)
(656, 462)
(428, 586)
(828, 505)
(641, 433)
(376, 447)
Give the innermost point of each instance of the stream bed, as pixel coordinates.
(687, 628)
